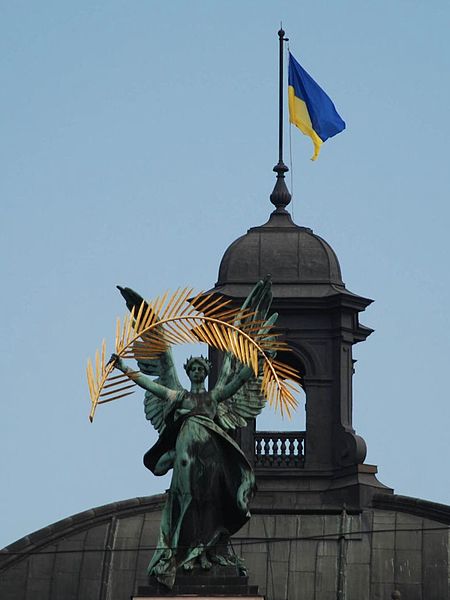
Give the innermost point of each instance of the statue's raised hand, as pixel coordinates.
(117, 362)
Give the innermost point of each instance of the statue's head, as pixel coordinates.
(197, 368)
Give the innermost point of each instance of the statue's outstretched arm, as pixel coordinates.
(222, 392)
(144, 381)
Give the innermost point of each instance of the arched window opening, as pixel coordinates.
(280, 439)
(272, 420)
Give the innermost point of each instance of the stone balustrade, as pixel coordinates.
(279, 449)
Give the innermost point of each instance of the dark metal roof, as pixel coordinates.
(291, 254)
(102, 554)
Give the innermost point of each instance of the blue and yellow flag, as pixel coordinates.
(310, 109)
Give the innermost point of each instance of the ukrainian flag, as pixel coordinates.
(310, 109)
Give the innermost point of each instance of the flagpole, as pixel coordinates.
(280, 196)
(280, 99)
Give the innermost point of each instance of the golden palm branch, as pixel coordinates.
(169, 320)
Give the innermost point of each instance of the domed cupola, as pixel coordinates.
(319, 318)
(300, 263)
(292, 255)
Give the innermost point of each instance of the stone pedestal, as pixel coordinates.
(219, 581)
(197, 597)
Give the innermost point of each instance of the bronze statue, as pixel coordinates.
(212, 481)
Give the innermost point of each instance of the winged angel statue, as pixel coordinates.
(212, 480)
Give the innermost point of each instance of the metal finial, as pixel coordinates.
(280, 197)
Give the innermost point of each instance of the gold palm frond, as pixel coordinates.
(147, 333)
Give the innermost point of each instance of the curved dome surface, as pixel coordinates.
(289, 253)
(103, 552)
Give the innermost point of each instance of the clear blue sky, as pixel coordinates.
(138, 140)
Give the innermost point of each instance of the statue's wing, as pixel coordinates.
(245, 405)
(154, 411)
(258, 303)
(163, 368)
(248, 401)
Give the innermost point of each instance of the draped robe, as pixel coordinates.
(212, 484)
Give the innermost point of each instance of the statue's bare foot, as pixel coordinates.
(205, 563)
(189, 565)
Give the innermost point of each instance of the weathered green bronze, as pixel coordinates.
(212, 481)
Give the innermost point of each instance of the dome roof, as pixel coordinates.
(104, 551)
(291, 254)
